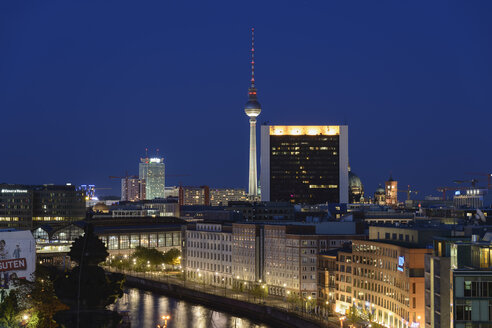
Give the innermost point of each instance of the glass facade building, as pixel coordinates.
(152, 171)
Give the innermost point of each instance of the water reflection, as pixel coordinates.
(146, 309)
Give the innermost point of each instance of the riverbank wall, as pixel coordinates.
(271, 316)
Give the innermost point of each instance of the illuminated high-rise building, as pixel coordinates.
(304, 164)
(252, 109)
(152, 171)
(391, 191)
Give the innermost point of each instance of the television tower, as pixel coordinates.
(252, 109)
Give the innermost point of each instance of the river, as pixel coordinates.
(147, 308)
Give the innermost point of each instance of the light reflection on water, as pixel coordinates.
(146, 309)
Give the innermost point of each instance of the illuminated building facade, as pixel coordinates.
(132, 189)
(194, 195)
(391, 191)
(327, 270)
(208, 254)
(152, 171)
(304, 164)
(20, 205)
(387, 281)
(222, 196)
(247, 252)
(121, 236)
(470, 198)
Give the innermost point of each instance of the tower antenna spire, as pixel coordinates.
(252, 57)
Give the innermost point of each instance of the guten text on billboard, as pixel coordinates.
(12, 264)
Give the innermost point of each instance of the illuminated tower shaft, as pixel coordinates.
(252, 109)
(253, 175)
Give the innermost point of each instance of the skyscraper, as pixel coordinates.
(252, 109)
(152, 171)
(304, 164)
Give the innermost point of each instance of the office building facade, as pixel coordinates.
(152, 171)
(458, 285)
(304, 164)
(22, 206)
(222, 196)
(208, 254)
(194, 195)
(387, 283)
(133, 189)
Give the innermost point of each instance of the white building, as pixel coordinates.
(209, 254)
(246, 252)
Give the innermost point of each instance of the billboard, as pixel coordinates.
(17, 257)
(401, 263)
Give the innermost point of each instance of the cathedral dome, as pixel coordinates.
(354, 180)
(380, 190)
(100, 207)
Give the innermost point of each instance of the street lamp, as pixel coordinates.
(341, 321)
(165, 318)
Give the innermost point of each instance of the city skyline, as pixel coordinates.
(403, 85)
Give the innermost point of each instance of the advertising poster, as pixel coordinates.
(17, 258)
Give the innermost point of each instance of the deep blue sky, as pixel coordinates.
(86, 86)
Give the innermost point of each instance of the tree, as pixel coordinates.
(9, 311)
(150, 256)
(88, 249)
(87, 289)
(38, 299)
(354, 315)
(172, 256)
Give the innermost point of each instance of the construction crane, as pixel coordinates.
(125, 177)
(473, 182)
(408, 191)
(444, 189)
(488, 175)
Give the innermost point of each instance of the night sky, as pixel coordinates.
(86, 86)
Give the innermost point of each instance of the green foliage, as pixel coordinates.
(172, 256)
(39, 299)
(294, 299)
(35, 299)
(147, 259)
(9, 311)
(354, 315)
(259, 291)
